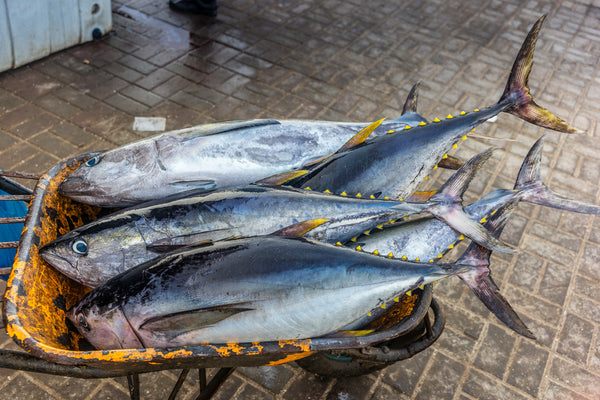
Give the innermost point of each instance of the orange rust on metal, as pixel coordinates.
(290, 358)
(395, 313)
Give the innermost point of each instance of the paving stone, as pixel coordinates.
(571, 375)
(484, 387)
(494, 352)
(307, 386)
(273, 378)
(404, 375)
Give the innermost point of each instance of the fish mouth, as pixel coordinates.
(60, 263)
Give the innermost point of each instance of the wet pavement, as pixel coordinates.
(356, 61)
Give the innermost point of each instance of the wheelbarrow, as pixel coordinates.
(37, 298)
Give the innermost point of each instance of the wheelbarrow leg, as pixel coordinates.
(214, 384)
(178, 384)
(133, 381)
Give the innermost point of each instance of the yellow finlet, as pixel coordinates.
(462, 113)
(493, 212)
(483, 220)
(369, 314)
(436, 120)
(449, 116)
(390, 255)
(451, 246)
(307, 188)
(386, 198)
(454, 146)
(435, 167)
(422, 123)
(404, 257)
(338, 244)
(461, 237)
(354, 239)
(343, 194)
(431, 261)
(375, 252)
(358, 195)
(409, 293)
(327, 191)
(440, 255)
(407, 127)
(422, 287)
(391, 131)
(371, 197)
(445, 156)
(397, 299)
(464, 137)
(367, 233)
(383, 306)
(417, 259)
(476, 110)
(427, 177)
(379, 227)
(358, 248)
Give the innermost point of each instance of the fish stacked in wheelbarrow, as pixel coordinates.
(248, 231)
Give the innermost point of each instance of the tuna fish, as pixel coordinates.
(428, 240)
(108, 246)
(245, 290)
(210, 157)
(413, 153)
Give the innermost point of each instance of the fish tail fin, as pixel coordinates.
(446, 205)
(478, 278)
(516, 93)
(531, 188)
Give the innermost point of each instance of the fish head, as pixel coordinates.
(91, 258)
(104, 329)
(101, 179)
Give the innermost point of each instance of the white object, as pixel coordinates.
(154, 124)
(32, 29)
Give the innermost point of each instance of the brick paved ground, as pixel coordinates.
(356, 60)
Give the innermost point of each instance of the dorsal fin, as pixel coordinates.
(282, 178)
(301, 228)
(361, 136)
(410, 105)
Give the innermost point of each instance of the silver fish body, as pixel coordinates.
(208, 157)
(244, 290)
(108, 246)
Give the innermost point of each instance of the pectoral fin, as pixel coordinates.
(193, 184)
(177, 323)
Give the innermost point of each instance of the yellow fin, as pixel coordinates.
(358, 248)
(407, 127)
(343, 194)
(409, 293)
(462, 113)
(375, 252)
(282, 178)
(449, 116)
(422, 123)
(390, 255)
(338, 244)
(361, 136)
(391, 131)
(358, 195)
(307, 188)
(301, 228)
(327, 191)
(436, 120)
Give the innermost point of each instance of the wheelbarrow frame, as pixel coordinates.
(37, 298)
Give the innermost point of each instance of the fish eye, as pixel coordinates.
(81, 321)
(80, 247)
(92, 161)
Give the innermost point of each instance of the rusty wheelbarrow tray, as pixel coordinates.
(37, 298)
